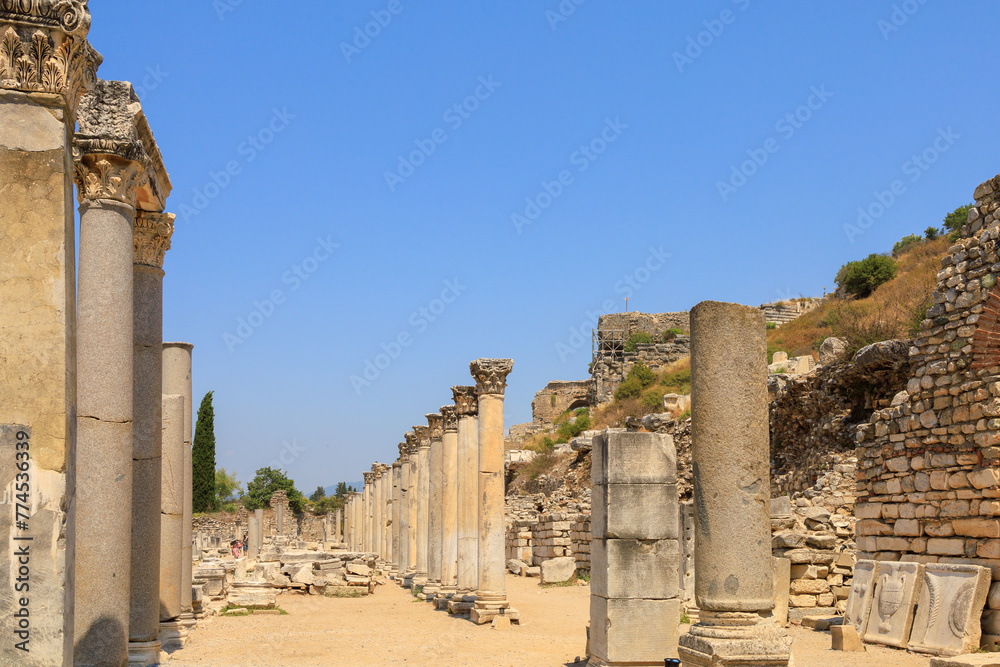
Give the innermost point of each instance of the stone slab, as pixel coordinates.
(949, 609)
(635, 569)
(624, 457)
(859, 601)
(558, 570)
(897, 587)
(635, 511)
(972, 660)
(845, 638)
(782, 582)
(633, 631)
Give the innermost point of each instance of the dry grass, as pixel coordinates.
(894, 310)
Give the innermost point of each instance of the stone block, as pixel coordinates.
(801, 601)
(782, 579)
(781, 507)
(845, 638)
(634, 631)
(972, 660)
(635, 511)
(821, 622)
(558, 570)
(626, 457)
(809, 587)
(949, 608)
(635, 569)
(897, 586)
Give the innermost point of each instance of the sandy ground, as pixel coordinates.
(391, 628)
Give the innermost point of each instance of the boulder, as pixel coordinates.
(359, 569)
(832, 350)
(515, 566)
(558, 570)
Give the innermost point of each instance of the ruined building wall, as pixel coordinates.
(930, 464)
(608, 371)
(557, 397)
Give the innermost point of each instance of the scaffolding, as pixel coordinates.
(608, 343)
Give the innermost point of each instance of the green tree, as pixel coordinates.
(318, 495)
(228, 490)
(954, 221)
(203, 458)
(931, 233)
(906, 244)
(861, 278)
(341, 490)
(639, 377)
(268, 481)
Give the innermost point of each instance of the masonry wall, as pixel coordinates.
(929, 465)
(557, 397)
(608, 371)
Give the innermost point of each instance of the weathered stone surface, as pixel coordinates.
(860, 600)
(635, 511)
(949, 609)
(558, 570)
(897, 586)
(622, 457)
(782, 583)
(845, 638)
(634, 569)
(832, 349)
(636, 631)
(974, 660)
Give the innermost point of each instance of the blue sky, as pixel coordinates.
(510, 168)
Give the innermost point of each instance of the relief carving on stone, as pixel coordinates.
(435, 424)
(466, 402)
(106, 176)
(423, 435)
(897, 586)
(860, 599)
(491, 374)
(450, 418)
(151, 234)
(949, 608)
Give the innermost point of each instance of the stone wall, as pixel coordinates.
(652, 323)
(550, 536)
(929, 479)
(226, 526)
(557, 397)
(609, 369)
(783, 312)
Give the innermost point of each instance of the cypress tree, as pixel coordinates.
(203, 458)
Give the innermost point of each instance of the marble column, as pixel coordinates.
(380, 521)
(38, 308)
(731, 463)
(435, 505)
(387, 514)
(171, 633)
(413, 491)
(491, 595)
(177, 380)
(366, 503)
(258, 516)
(337, 535)
(109, 164)
(449, 508)
(404, 513)
(151, 240)
(467, 409)
(253, 539)
(423, 502)
(397, 473)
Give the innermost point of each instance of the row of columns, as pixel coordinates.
(435, 517)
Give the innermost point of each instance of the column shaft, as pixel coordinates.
(397, 471)
(435, 507)
(171, 510)
(413, 507)
(468, 507)
(449, 505)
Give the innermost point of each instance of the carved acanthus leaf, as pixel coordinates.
(151, 238)
(466, 400)
(491, 374)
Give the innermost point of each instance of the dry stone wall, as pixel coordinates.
(608, 370)
(557, 397)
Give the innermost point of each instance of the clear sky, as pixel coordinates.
(483, 178)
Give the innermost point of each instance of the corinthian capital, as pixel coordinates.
(44, 48)
(466, 402)
(450, 418)
(115, 153)
(491, 374)
(412, 442)
(423, 434)
(151, 234)
(369, 476)
(435, 423)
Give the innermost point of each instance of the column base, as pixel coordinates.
(489, 605)
(144, 654)
(444, 596)
(172, 636)
(188, 619)
(735, 639)
(462, 604)
(430, 590)
(406, 579)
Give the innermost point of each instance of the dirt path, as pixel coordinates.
(391, 628)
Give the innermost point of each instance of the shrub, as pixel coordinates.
(639, 337)
(677, 382)
(905, 244)
(931, 233)
(863, 277)
(954, 221)
(571, 428)
(653, 400)
(771, 325)
(671, 334)
(629, 388)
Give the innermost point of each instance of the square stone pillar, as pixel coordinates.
(734, 585)
(435, 506)
(38, 296)
(423, 434)
(635, 556)
(449, 509)
(491, 594)
(467, 410)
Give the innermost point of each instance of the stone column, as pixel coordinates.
(379, 511)
(449, 508)
(337, 535)
(171, 633)
(110, 162)
(413, 460)
(279, 519)
(177, 380)
(731, 463)
(491, 595)
(387, 523)
(404, 513)
(349, 522)
(253, 538)
(151, 237)
(434, 506)
(48, 64)
(467, 409)
(258, 517)
(366, 504)
(634, 603)
(397, 495)
(423, 502)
